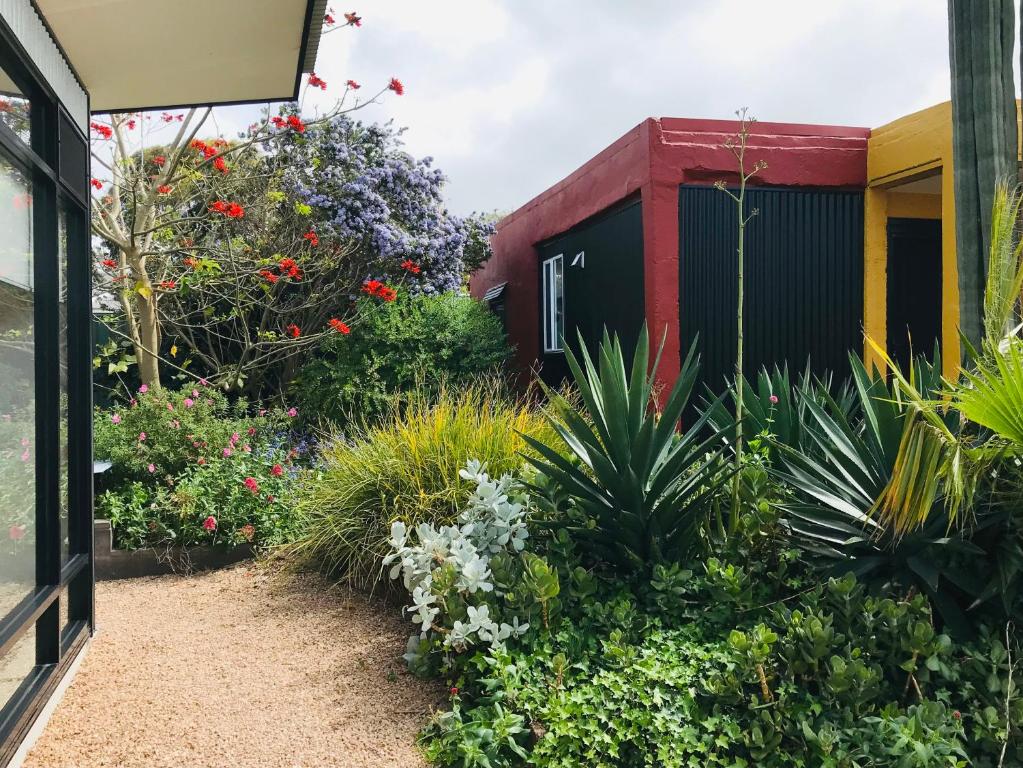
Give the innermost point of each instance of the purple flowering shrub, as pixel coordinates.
(366, 191)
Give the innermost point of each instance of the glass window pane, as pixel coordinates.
(17, 390)
(16, 665)
(62, 359)
(15, 110)
(559, 303)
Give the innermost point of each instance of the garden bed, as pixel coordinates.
(134, 563)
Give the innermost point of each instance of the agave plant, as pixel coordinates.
(843, 467)
(643, 488)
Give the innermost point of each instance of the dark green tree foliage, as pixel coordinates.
(412, 343)
(981, 38)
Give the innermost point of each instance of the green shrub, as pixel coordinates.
(413, 343)
(406, 469)
(242, 498)
(162, 432)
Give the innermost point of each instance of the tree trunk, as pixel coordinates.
(148, 348)
(981, 37)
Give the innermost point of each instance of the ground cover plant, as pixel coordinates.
(787, 636)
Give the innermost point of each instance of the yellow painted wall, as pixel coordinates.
(913, 147)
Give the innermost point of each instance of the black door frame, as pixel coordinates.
(57, 162)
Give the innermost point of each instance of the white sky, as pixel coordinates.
(509, 96)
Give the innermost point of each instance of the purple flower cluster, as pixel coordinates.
(365, 189)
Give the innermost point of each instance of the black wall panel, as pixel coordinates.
(604, 286)
(804, 279)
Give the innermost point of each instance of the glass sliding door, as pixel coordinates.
(46, 576)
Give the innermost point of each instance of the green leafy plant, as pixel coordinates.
(642, 490)
(405, 468)
(414, 343)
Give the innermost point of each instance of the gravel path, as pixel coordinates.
(238, 668)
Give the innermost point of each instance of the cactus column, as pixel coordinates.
(981, 36)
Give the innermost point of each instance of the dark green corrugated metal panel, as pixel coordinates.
(603, 288)
(804, 279)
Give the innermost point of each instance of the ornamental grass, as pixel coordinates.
(405, 467)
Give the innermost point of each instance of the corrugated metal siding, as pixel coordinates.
(804, 279)
(23, 20)
(608, 290)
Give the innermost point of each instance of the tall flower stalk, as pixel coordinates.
(737, 145)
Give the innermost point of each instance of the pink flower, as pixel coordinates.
(144, 388)
(227, 452)
(16, 532)
(247, 448)
(115, 419)
(25, 456)
(204, 383)
(175, 423)
(189, 402)
(235, 437)
(201, 461)
(195, 393)
(293, 412)
(210, 523)
(134, 402)
(142, 437)
(252, 431)
(170, 407)
(151, 468)
(251, 484)
(773, 399)
(270, 499)
(277, 470)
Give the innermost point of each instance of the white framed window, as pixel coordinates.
(553, 304)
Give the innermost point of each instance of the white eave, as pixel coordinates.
(150, 54)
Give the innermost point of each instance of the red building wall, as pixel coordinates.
(654, 158)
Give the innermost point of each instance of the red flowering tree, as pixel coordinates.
(210, 263)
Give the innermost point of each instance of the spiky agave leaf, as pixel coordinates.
(643, 487)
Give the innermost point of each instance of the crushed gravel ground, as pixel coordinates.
(239, 668)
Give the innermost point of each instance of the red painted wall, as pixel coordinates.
(654, 158)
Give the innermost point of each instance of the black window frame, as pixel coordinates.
(57, 647)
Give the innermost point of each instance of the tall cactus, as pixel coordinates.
(981, 36)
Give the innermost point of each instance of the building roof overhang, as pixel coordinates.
(151, 54)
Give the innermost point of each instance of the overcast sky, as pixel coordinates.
(509, 96)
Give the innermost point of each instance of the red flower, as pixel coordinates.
(387, 294)
(131, 124)
(210, 523)
(312, 238)
(163, 189)
(296, 123)
(270, 276)
(167, 284)
(329, 20)
(208, 151)
(353, 85)
(278, 121)
(453, 691)
(317, 82)
(410, 266)
(103, 130)
(372, 287)
(198, 144)
(293, 330)
(109, 263)
(191, 261)
(247, 531)
(167, 117)
(16, 532)
(277, 470)
(290, 268)
(218, 206)
(251, 484)
(339, 326)
(96, 183)
(231, 210)
(159, 160)
(353, 20)
(220, 165)
(957, 715)
(396, 86)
